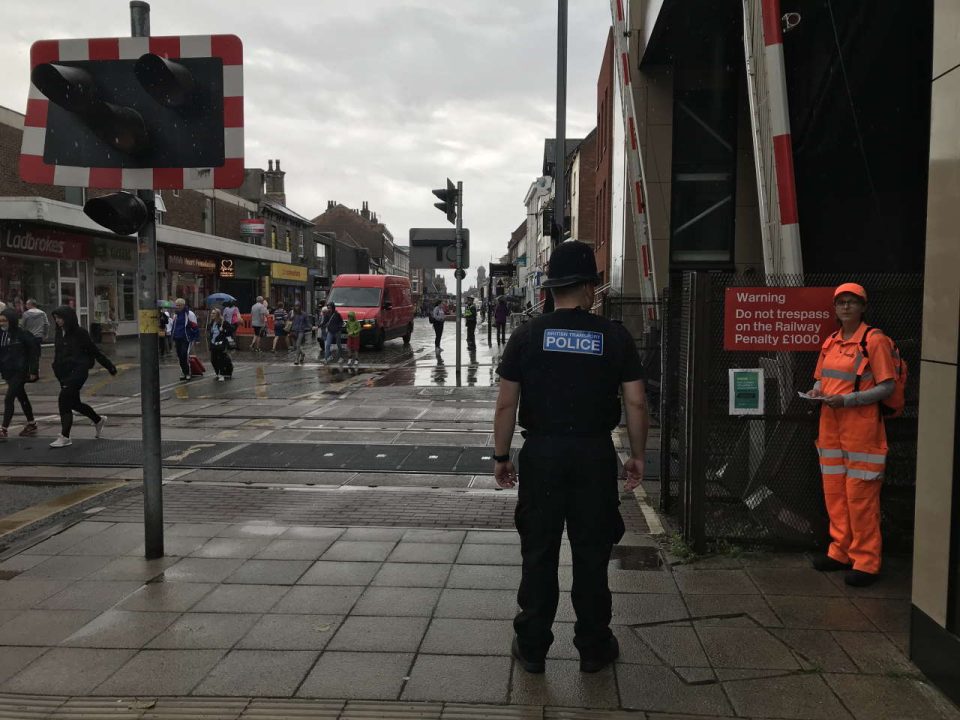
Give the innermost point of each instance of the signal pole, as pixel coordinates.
(149, 348)
(459, 272)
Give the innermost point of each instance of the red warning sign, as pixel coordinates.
(784, 319)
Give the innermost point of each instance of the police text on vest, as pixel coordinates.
(582, 342)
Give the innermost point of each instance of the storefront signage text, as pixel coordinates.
(227, 270)
(20, 239)
(113, 254)
(784, 319)
(191, 263)
(283, 271)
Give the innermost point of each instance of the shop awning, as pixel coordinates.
(68, 215)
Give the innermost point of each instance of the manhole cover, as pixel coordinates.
(631, 557)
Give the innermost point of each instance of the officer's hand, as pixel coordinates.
(815, 392)
(834, 401)
(505, 474)
(633, 468)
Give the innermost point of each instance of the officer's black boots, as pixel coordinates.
(610, 652)
(531, 666)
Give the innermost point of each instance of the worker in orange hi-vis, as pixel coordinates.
(854, 374)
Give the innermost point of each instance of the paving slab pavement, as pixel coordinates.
(421, 618)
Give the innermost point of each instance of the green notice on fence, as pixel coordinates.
(746, 391)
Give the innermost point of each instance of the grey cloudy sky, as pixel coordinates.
(376, 100)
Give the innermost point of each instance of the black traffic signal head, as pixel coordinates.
(123, 213)
(102, 110)
(448, 198)
(169, 83)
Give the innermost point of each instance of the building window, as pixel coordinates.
(286, 240)
(273, 236)
(209, 222)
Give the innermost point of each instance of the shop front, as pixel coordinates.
(191, 277)
(114, 289)
(288, 284)
(47, 265)
(241, 278)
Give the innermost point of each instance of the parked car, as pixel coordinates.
(382, 303)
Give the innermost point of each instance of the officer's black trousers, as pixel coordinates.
(572, 480)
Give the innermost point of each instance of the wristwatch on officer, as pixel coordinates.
(502, 458)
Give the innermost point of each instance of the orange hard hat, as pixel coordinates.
(853, 288)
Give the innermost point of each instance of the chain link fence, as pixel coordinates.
(755, 479)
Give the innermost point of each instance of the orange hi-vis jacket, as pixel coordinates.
(852, 444)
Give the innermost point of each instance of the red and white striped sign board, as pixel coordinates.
(229, 48)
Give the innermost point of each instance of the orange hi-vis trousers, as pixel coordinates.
(853, 452)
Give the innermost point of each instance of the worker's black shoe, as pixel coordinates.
(609, 653)
(825, 563)
(858, 578)
(531, 666)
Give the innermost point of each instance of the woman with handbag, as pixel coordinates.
(220, 334)
(280, 324)
(19, 360)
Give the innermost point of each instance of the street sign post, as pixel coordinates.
(451, 205)
(436, 248)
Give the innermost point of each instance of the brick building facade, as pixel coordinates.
(603, 174)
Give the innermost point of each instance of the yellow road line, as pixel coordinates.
(45, 509)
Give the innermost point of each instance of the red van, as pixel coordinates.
(382, 303)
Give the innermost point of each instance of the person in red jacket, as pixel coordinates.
(852, 441)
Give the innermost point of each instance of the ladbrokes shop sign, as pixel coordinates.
(24, 239)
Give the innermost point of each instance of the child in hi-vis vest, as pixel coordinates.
(353, 338)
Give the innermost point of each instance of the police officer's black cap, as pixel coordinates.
(571, 263)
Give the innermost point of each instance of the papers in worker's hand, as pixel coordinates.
(808, 396)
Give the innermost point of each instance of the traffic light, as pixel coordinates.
(448, 201)
(151, 112)
(123, 213)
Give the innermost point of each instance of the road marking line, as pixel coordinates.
(192, 450)
(221, 456)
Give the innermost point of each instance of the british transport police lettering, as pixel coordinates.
(580, 342)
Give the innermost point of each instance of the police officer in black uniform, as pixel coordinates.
(567, 371)
(470, 318)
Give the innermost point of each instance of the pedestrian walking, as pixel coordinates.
(185, 332)
(437, 318)
(567, 371)
(280, 320)
(298, 330)
(500, 315)
(334, 331)
(163, 321)
(353, 338)
(258, 321)
(857, 370)
(74, 355)
(219, 333)
(35, 321)
(19, 365)
(470, 319)
(231, 315)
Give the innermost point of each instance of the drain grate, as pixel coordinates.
(630, 557)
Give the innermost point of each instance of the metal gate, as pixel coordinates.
(755, 479)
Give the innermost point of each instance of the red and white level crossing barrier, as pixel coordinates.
(636, 181)
(780, 130)
(228, 48)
